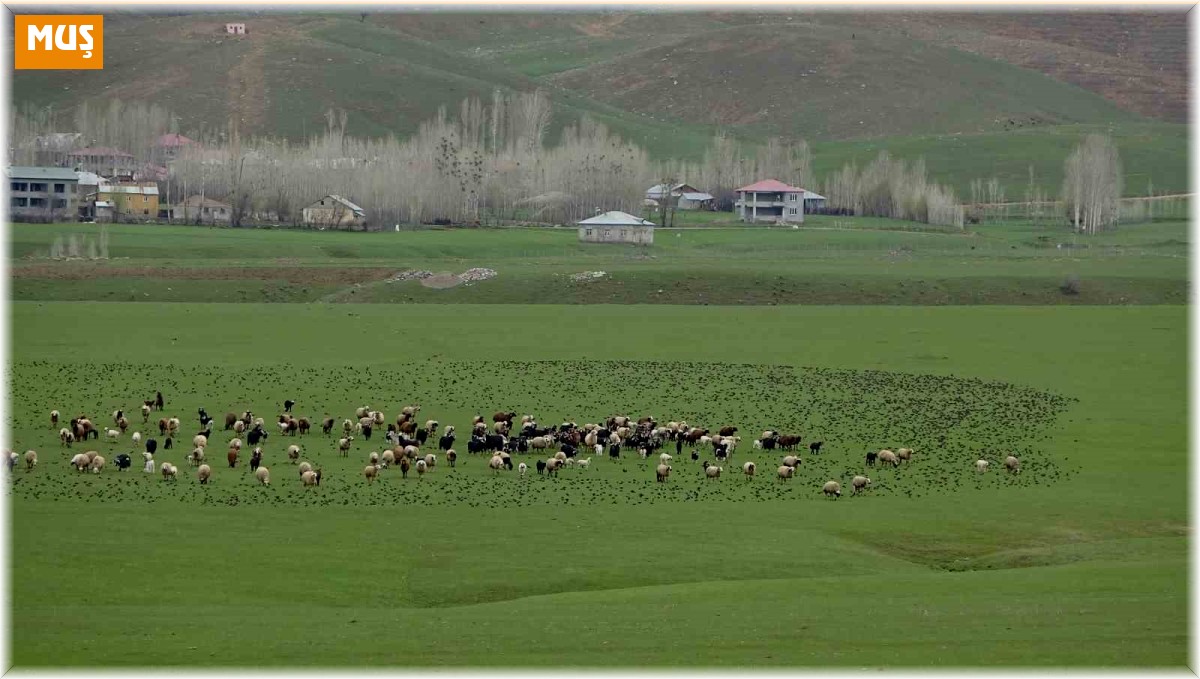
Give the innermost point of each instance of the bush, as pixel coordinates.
(1070, 286)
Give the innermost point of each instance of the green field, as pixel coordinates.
(1081, 559)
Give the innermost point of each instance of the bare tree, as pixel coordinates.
(1092, 184)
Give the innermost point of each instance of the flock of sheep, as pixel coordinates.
(497, 440)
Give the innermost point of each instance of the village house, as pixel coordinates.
(335, 212)
(168, 147)
(200, 210)
(775, 202)
(235, 29)
(43, 194)
(616, 227)
(106, 162)
(137, 202)
(681, 196)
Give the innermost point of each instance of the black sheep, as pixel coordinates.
(287, 405)
(255, 460)
(446, 442)
(123, 462)
(151, 446)
(158, 401)
(614, 451)
(475, 445)
(678, 446)
(541, 466)
(815, 447)
(568, 449)
(257, 434)
(366, 432)
(422, 437)
(168, 443)
(871, 459)
(768, 444)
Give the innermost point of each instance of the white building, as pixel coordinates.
(616, 227)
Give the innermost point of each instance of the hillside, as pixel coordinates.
(901, 74)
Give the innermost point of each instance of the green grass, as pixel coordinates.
(831, 260)
(1080, 560)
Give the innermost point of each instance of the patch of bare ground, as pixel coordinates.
(303, 275)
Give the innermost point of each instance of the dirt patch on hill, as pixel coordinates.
(441, 281)
(314, 275)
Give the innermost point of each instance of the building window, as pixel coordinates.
(587, 232)
(145, 212)
(19, 202)
(20, 186)
(145, 199)
(37, 187)
(37, 202)
(793, 211)
(60, 203)
(60, 188)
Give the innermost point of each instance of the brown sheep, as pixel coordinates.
(500, 416)
(727, 431)
(662, 472)
(303, 425)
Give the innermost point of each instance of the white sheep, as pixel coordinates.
(112, 435)
(149, 466)
(758, 444)
(30, 459)
(981, 465)
(344, 445)
(80, 461)
(369, 472)
(585, 463)
(203, 473)
(785, 472)
(791, 460)
(430, 461)
(373, 458)
(522, 468)
(560, 456)
(66, 436)
(904, 454)
(712, 471)
(665, 458)
(308, 478)
(890, 457)
(236, 444)
(199, 441)
(263, 475)
(293, 453)
(304, 467)
(1012, 464)
(496, 463)
(169, 471)
(145, 413)
(421, 469)
(388, 459)
(748, 469)
(662, 472)
(53, 419)
(859, 484)
(347, 426)
(239, 427)
(136, 438)
(196, 457)
(832, 489)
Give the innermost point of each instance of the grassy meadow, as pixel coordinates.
(1079, 560)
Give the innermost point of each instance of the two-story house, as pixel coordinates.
(43, 194)
(770, 201)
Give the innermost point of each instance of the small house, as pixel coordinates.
(235, 29)
(168, 147)
(335, 212)
(201, 210)
(616, 227)
(43, 194)
(104, 161)
(682, 196)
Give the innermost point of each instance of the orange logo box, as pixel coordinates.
(58, 41)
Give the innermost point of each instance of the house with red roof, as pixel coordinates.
(168, 146)
(773, 201)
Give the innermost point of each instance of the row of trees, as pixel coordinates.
(493, 160)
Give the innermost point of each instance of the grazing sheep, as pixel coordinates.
(293, 453)
(496, 463)
(148, 468)
(388, 459)
(560, 456)
(196, 457)
(522, 468)
(304, 467)
(451, 456)
(585, 463)
(369, 472)
(553, 464)
(791, 460)
(748, 469)
(311, 478)
(758, 444)
(871, 457)
(859, 483)
(981, 465)
(112, 435)
(815, 447)
(80, 461)
(785, 472)
(665, 458)
(904, 454)
(30, 459)
(430, 461)
(263, 475)
(662, 472)
(832, 489)
(712, 471)
(123, 462)
(169, 471)
(203, 473)
(344, 445)
(66, 437)
(888, 457)
(1012, 464)
(541, 467)
(421, 466)
(136, 438)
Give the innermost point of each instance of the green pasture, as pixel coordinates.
(1079, 560)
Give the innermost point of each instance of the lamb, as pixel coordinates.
(860, 483)
(981, 466)
(421, 466)
(311, 478)
(30, 460)
(785, 472)
(662, 472)
(203, 473)
(832, 489)
(712, 471)
(522, 468)
(541, 467)
(112, 435)
(263, 475)
(815, 447)
(1012, 464)
(748, 469)
(293, 453)
(369, 472)
(344, 445)
(585, 463)
(665, 458)
(758, 444)
(889, 457)
(169, 471)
